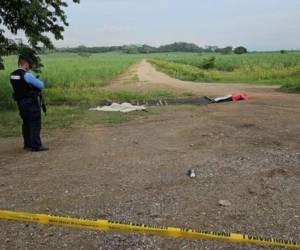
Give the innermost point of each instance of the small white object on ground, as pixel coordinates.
(192, 173)
(224, 203)
(116, 107)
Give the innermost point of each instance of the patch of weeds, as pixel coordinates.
(65, 117)
(10, 123)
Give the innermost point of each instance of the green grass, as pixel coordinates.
(94, 96)
(257, 68)
(70, 77)
(73, 84)
(65, 117)
(75, 80)
(291, 87)
(9, 123)
(78, 81)
(62, 117)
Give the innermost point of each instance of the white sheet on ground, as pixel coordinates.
(116, 107)
(222, 98)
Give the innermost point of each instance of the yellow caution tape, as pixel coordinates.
(123, 227)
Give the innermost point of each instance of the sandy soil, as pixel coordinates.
(247, 153)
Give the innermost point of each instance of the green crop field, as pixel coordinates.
(71, 78)
(74, 79)
(258, 68)
(75, 82)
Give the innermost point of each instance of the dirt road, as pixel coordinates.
(247, 153)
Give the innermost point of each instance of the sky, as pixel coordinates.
(256, 24)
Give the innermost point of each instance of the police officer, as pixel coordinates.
(26, 92)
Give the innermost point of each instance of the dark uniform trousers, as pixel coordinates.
(30, 113)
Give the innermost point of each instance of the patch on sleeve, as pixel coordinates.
(15, 77)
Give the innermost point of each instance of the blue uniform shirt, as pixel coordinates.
(33, 81)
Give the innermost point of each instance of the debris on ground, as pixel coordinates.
(191, 173)
(123, 107)
(232, 98)
(110, 106)
(225, 203)
(199, 100)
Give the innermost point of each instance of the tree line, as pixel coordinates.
(146, 49)
(39, 19)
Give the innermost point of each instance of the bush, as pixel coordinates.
(240, 50)
(208, 63)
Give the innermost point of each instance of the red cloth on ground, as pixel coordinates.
(240, 96)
